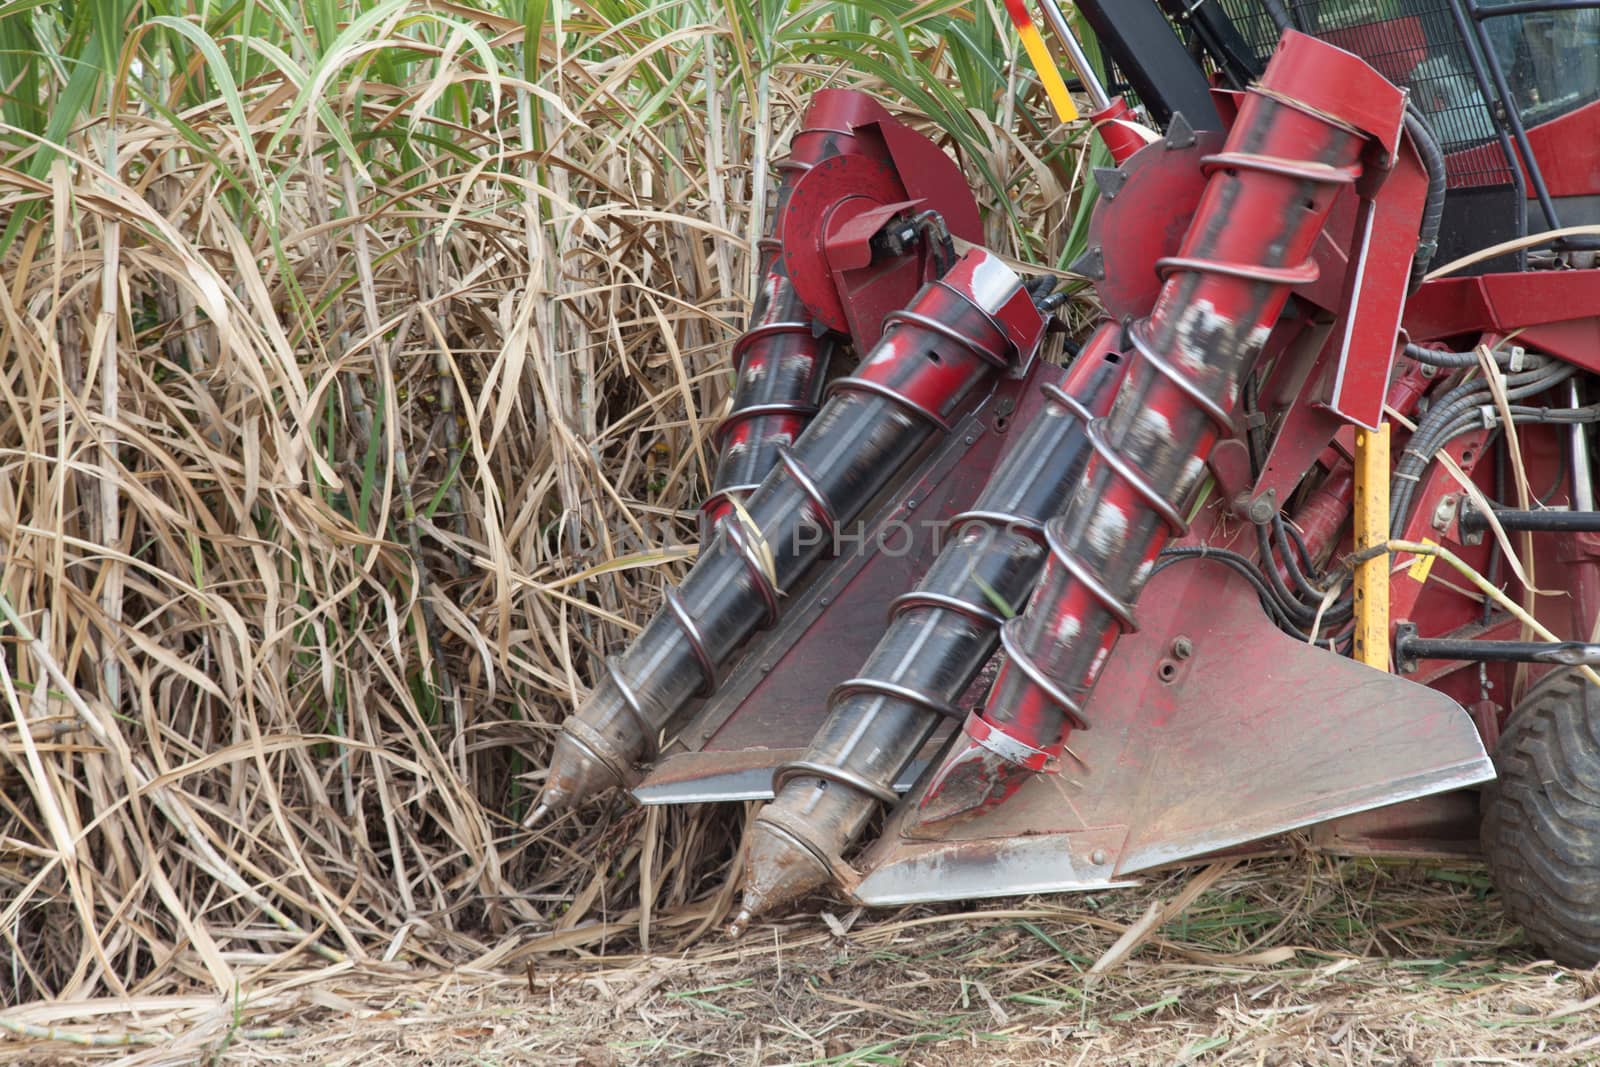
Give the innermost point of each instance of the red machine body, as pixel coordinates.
(1177, 520)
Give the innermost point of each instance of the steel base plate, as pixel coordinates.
(1251, 735)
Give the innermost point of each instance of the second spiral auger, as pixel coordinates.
(782, 365)
(957, 334)
(848, 159)
(940, 636)
(1286, 158)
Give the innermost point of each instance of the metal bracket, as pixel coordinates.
(1179, 133)
(1109, 180)
(1403, 634)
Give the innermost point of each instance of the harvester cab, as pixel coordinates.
(1300, 535)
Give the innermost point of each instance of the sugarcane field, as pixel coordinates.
(783, 532)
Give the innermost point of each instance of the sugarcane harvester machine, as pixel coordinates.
(1302, 536)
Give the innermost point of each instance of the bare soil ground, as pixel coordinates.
(1297, 960)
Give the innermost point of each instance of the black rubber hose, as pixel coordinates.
(1277, 13)
(1433, 357)
(1283, 19)
(1302, 613)
(1242, 564)
(1438, 425)
(1338, 611)
(1254, 437)
(1557, 416)
(1473, 389)
(1433, 206)
(1422, 449)
(1292, 622)
(1464, 400)
(1300, 546)
(1405, 480)
(1465, 421)
(1520, 414)
(1303, 589)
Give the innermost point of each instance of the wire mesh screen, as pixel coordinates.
(1117, 82)
(1413, 43)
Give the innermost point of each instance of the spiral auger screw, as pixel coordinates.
(1220, 297)
(940, 636)
(958, 333)
(782, 357)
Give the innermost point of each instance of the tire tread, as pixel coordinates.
(1541, 819)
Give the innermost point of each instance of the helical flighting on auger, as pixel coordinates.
(782, 357)
(933, 357)
(939, 638)
(1267, 196)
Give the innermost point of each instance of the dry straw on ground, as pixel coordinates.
(351, 407)
(1284, 962)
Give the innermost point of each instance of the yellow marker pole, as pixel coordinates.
(1043, 62)
(1372, 530)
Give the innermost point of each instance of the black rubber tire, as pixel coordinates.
(1541, 819)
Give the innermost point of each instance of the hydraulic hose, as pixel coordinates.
(1294, 613)
(1435, 357)
(1244, 565)
(1433, 206)
(1454, 413)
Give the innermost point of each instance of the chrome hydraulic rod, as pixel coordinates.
(1099, 99)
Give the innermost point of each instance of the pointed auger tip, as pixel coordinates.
(741, 923)
(552, 803)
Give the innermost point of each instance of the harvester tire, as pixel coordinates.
(1541, 819)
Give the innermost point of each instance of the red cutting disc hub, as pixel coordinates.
(1145, 220)
(835, 208)
(825, 200)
